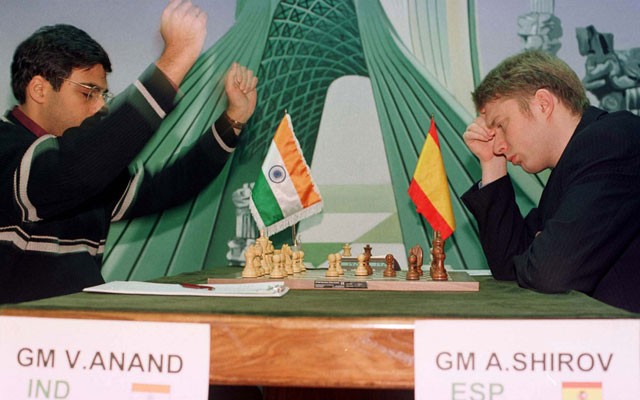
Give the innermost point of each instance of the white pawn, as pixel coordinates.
(332, 272)
(296, 262)
(362, 269)
(339, 264)
(277, 271)
(302, 267)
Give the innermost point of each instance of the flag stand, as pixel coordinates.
(437, 270)
(294, 238)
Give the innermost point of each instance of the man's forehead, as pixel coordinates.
(94, 75)
(497, 109)
(490, 112)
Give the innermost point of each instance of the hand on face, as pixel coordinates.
(240, 87)
(479, 139)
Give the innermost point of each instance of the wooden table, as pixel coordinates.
(294, 341)
(277, 351)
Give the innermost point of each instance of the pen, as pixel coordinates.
(195, 286)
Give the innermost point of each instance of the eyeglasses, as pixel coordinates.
(94, 92)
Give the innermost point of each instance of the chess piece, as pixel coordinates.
(296, 262)
(302, 267)
(257, 260)
(288, 265)
(267, 253)
(367, 258)
(249, 270)
(346, 250)
(417, 250)
(277, 272)
(339, 264)
(285, 251)
(437, 270)
(389, 272)
(266, 265)
(361, 270)
(263, 241)
(412, 273)
(332, 272)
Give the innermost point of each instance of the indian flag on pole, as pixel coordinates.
(429, 188)
(284, 192)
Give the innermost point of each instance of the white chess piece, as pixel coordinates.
(339, 264)
(296, 262)
(362, 269)
(249, 270)
(302, 267)
(277, 271)
(332, 272)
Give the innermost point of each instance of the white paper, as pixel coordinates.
(60, 358)
(527, 359)
(255, 289)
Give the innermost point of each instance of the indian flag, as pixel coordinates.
(581, 391)
(284, 192)
(429, 189)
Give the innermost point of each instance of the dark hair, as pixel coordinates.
(52, 52)
(520, 76)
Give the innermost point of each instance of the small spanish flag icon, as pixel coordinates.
(581, 390)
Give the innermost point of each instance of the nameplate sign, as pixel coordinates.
(51, 358)
(527, 359)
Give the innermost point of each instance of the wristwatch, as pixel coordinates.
(235, 124)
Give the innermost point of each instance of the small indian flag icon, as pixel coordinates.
(581, 390)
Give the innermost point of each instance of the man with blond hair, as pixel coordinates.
(585, 233)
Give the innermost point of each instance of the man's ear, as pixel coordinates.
(37, 89)
(544, 101)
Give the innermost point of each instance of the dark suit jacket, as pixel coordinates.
(588, 217)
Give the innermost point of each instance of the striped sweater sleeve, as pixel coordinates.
(149, 192)
(58, 174)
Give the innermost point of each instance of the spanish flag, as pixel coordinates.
(284, 192)
(581, 391)
(429, 189)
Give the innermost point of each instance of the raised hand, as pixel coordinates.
(240, 87)
(480, 140)
(183, 27)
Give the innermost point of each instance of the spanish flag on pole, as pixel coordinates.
(284, 192)
(429, 189)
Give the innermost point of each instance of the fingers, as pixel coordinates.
(478, 130)
(240, 87)
(183, 27)
(243, 78)
(183, 20)
(188, 12)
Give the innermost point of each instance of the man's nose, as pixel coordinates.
(499, 145)
(99, 106)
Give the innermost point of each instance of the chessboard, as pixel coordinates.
(458, 281)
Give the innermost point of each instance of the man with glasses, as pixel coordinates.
(64, 154)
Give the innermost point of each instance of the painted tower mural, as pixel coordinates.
(361, 80)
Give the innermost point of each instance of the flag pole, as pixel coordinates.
(294, 237)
